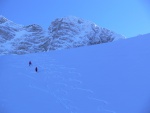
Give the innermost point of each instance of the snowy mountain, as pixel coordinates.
(107, 78)
(142, 36)
(63, 33)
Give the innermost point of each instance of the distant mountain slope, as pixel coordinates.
(63, 33)
(142, 36)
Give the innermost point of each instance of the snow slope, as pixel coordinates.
(55, 88)
(108, 78)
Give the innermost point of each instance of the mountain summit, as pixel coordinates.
(63, 33)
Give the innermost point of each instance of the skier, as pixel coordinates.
(36, 69)
(30, 63)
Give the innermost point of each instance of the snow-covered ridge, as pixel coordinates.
(142, 36)
(63, 33)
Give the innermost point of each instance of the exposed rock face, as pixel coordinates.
(2, 19)
(74, 32)
(33, 28)
(6, 34)
(63, 33)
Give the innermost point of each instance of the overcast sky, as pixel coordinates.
(127, 17)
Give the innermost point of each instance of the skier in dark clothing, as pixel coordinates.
(36, 69)
(30, 63)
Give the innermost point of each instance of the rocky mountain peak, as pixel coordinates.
(33, 28)
(69, 32)
(63, 33)
(3, 19)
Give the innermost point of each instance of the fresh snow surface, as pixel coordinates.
(106, 78)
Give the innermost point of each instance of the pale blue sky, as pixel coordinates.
(127, 17)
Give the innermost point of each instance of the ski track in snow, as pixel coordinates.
(60, 82)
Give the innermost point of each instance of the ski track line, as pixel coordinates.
(64, 104)
(86, 90)
(48, 68)
(98, 100)
(109, 111)
(37, 88)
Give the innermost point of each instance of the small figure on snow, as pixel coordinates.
(36, 69)
(30, 63)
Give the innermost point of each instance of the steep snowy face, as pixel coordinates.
(30, 39)
(7, 29)
(18, 39)
(63, 33)
(72, 32)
